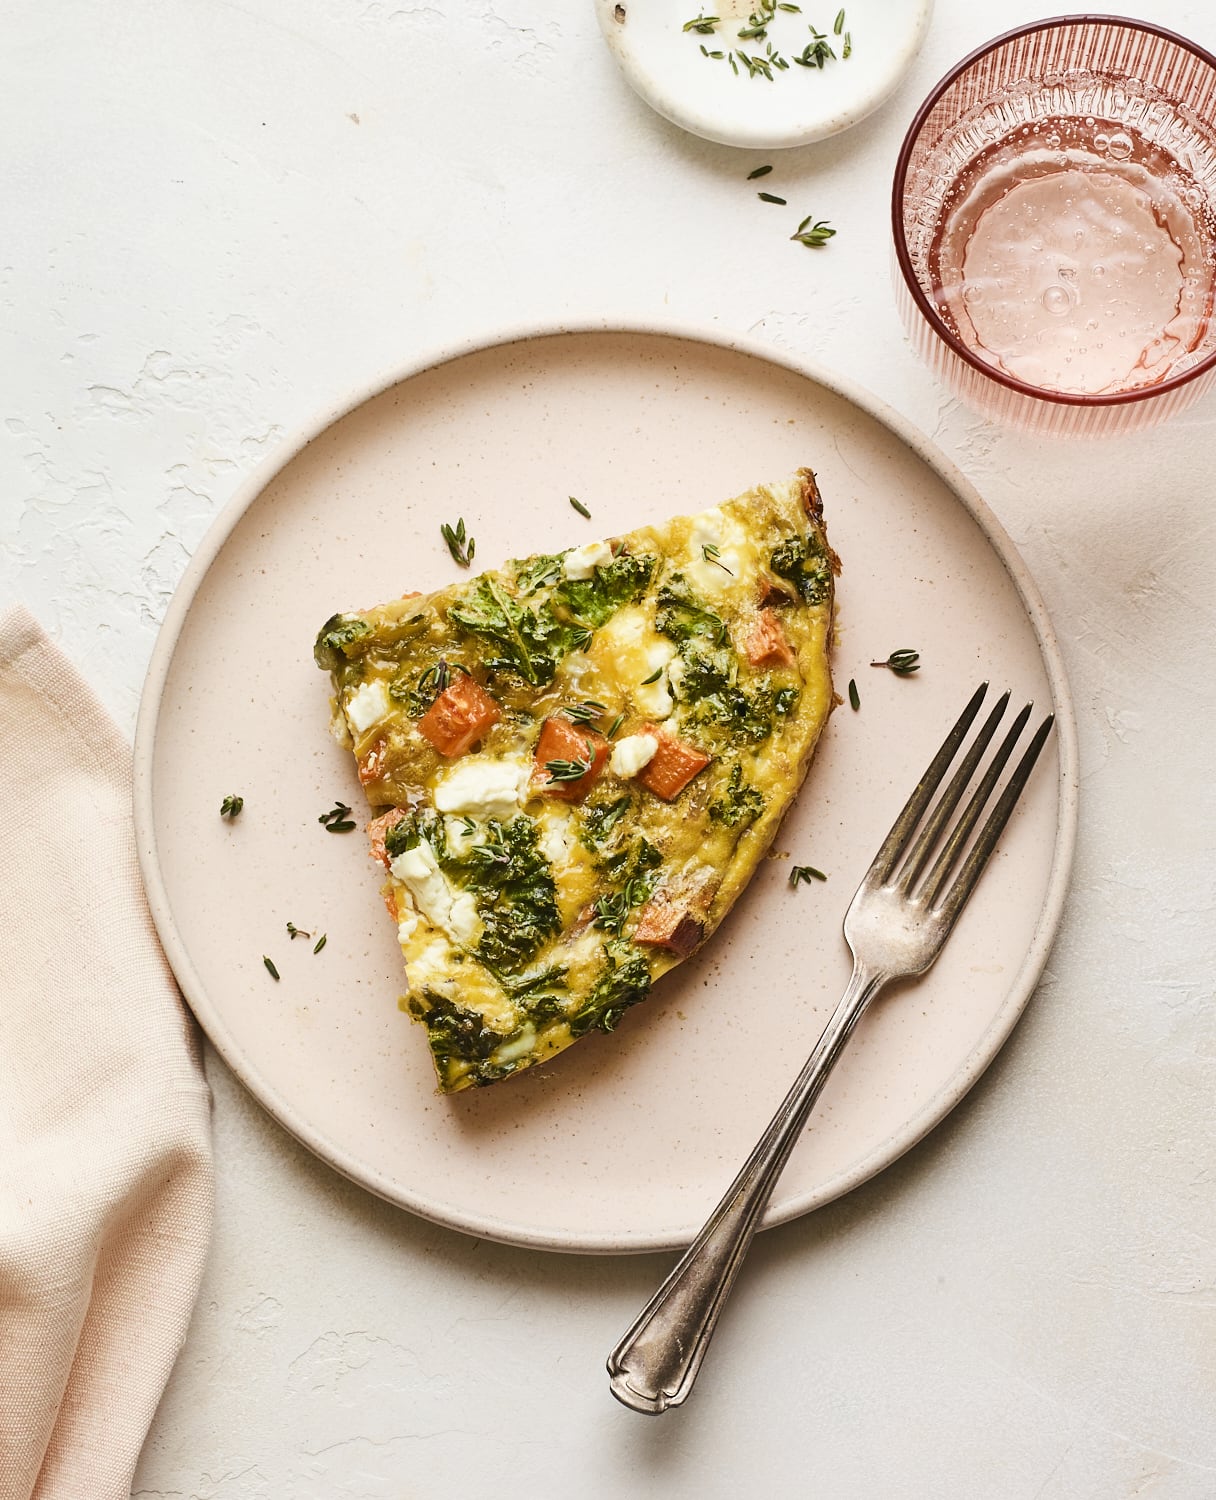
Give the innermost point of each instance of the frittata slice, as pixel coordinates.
(577, 761)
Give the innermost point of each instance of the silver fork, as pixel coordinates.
(895, 926)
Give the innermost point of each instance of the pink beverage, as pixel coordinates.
(1054, 225)
(1075, 257)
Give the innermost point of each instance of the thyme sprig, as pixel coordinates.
(813, 234)
(231, 806)
(804, 874)
(703, 25)
(460, 544)
(294, 932)
(902, 662)
(583, 713)
(709, 552)
(567, 770)
(337, 819)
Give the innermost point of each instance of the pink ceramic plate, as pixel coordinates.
(625, 1142)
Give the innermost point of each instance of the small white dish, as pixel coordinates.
(666, 65)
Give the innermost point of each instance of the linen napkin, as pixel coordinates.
(105, 1132)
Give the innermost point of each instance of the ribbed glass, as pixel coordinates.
(1162, 89)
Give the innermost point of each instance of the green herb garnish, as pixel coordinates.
(230, 807)
(567, 770)
(817, 235)
(583, 713)
(703, 25)
(270, 968)
(854, 695)
(294, 932)
(654, 677)
(580, 507)
(816, 52)
(320, 943)
(337, 819)
(709, 552)
(460, 544)
(759, 172)
(614, 726)
(903, 663)
(772, 198)
(838, 23)
(804, 874)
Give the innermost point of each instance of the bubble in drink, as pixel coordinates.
(1120, 146)
(1057, 301)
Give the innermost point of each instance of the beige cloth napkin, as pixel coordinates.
(105, 1134)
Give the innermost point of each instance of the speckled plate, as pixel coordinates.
(769, 106)
(626, 1141)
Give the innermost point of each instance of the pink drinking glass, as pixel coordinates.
(1055, 199)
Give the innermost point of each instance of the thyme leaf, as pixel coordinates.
(804, 874)
(580, 507)
(567, 770)
(230, 807)
(816, 235)
(854, 695)
(759, 172)
(460, 544)
(903, 662)
(270, 968)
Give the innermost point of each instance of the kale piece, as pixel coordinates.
(625, 981)
(805, 564)
(593, 600)
(680, 614)
(739, 803)
(529, 642)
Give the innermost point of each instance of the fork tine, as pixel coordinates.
(973, 865)
(961, 832)
(901, 830)
(918, 856)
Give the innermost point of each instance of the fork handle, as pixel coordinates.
(655, 1364)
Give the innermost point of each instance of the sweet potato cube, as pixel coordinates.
(378, 829)
(666, 924)
(767, 643)
(459, 717)
(567, 744)
(674, 765)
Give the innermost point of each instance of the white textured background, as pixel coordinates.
(219, 218)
